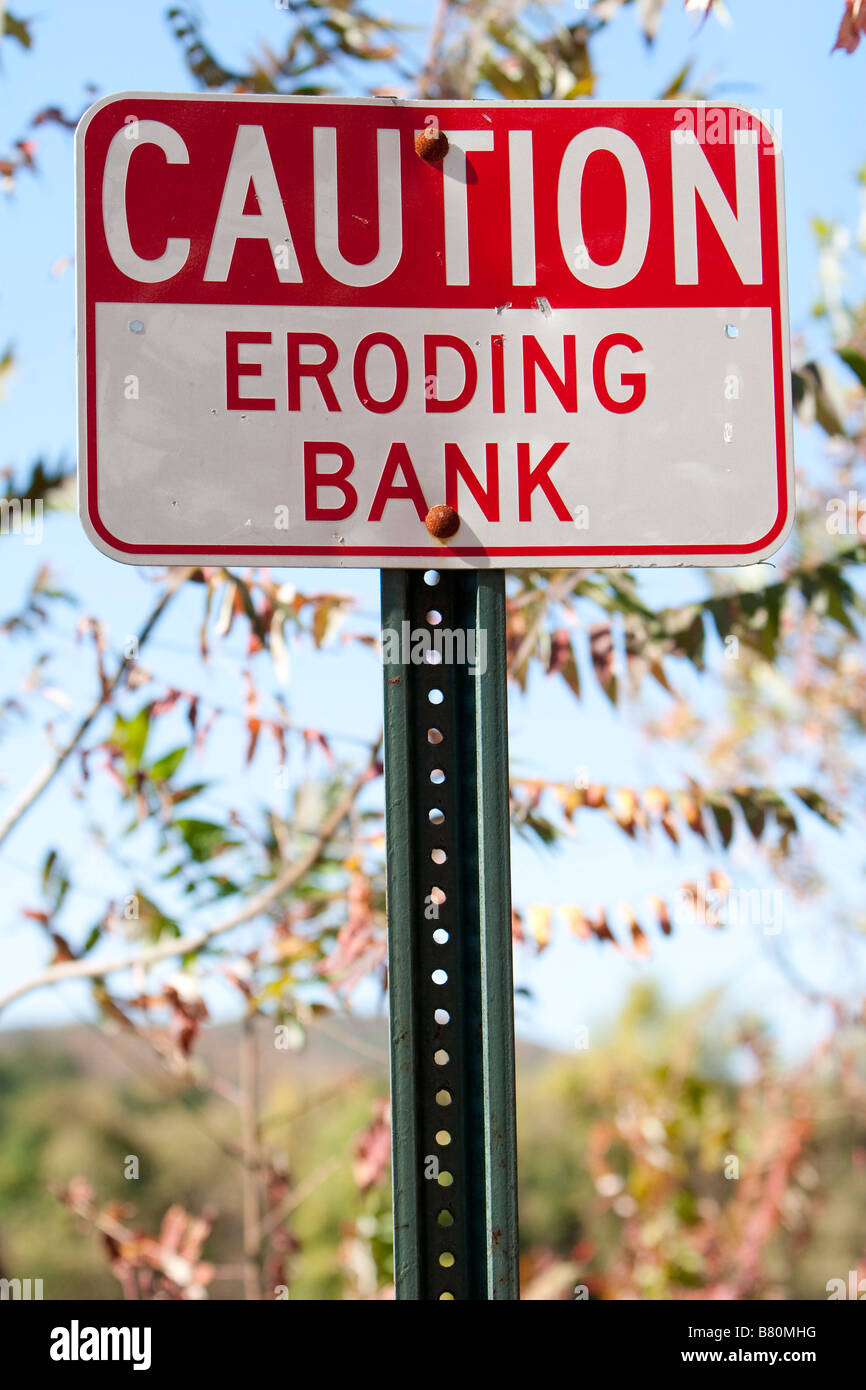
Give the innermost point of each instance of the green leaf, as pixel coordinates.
(92, 937)
(815, 397)
(204, 839)
(540, 827)
(821, 807)
(152, 921)
(224, 886)
(723, 816)
(17, 29)
(166, 766)
(130, 736)
(48, 867)
(856, 361)
(55, 881)
(753, 811)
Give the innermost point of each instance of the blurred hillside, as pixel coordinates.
(629, 1197)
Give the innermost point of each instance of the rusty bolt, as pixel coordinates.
(431, 144)
(442, 522)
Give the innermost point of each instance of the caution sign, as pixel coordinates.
(386, 333)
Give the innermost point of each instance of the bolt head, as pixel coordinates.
(431, 145)
(442, 522)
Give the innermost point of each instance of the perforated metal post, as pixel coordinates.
(449, 930)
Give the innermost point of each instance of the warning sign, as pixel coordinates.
(564, 335)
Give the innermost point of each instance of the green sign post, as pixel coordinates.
(449, 927)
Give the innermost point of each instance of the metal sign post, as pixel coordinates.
(449, 924)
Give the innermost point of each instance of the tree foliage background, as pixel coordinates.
(282, 910)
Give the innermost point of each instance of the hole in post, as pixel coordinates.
(447, 1298)
(437, 776)
(438, 856)
(435, 816)
(441, 1057)
(445, 1218)
(434, 617)
(440, 936)
(443, 1137)
(434, 735)
(437, 897)
(443, 1098)
(431, 578)
(446, 1259)
(445, 1178)
(439, 977)
(435, 696)
(442, 1016)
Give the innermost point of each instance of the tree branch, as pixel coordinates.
(556, 591)
(437, 34)
(45, 776)
(186, 945)
(250, 1143)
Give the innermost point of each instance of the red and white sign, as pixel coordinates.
(296, 336)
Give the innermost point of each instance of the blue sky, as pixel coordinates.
(776, 57)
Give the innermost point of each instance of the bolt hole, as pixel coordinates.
(434, 735)
(442, 1016)
(445, 1218)
(445, 1178)
(435, 816)
(439, 977)
(446, 1298)
(440, 936)
(437, 896)
(434, 617)
(437, 776)
(435, 696)
(443, 1098)
(443, 1138)
(731, 330)
(431, 578)
(438, 856)
(441, 1057)
(433, 658)
(446, 1259)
